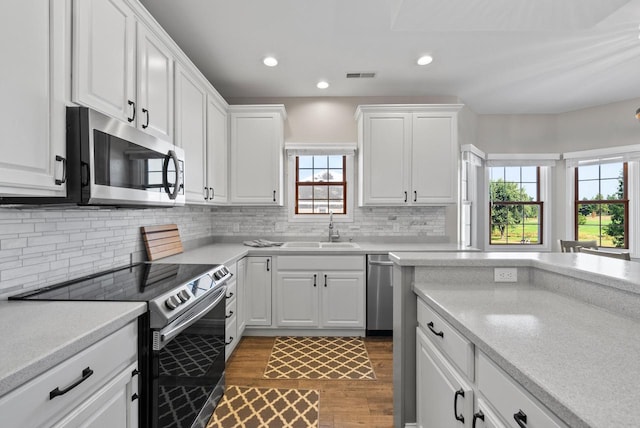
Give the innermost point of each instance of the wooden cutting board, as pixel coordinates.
(161, 241)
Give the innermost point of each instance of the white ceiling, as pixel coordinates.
(496, 56)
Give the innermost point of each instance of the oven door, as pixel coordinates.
(187, 368)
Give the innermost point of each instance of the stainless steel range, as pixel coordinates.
(181, 337)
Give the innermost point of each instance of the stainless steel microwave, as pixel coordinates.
(112, 163)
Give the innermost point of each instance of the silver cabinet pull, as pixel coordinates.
(64, 170)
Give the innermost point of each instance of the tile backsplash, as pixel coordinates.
(40, 247)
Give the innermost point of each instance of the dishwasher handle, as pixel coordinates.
(380, 263)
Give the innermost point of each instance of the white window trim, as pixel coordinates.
(291, 188)
(629, 154)
(546, 177)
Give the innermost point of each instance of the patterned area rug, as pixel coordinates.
(319, 358)
(266, 407)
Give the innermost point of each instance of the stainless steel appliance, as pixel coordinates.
(112, 163)
(181, 337)
(379, 295)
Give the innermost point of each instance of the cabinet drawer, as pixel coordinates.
(31, 405)
(452, 343)
(232, 289)
(318, 263)
(509, 398)
(231, 308)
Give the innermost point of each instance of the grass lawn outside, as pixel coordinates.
(589, 231)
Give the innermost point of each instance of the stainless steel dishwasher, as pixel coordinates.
(379, 295)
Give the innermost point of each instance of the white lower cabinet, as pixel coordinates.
(231, 326)
(443, 397)
(108, 407)
(95, 388)
(257, 284)
(320, 292)
(484, 417)
(452, 378)
(511, 401)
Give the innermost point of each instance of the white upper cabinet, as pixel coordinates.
(191, 120)
(121, 68)
(155, 85)
(257, 138)
(33, 40)
(201, 130)
(408, 154)
(104, 57)
(217, 151)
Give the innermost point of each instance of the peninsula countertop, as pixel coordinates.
(578, 359)
(37, 336)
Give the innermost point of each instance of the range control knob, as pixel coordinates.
(183, 295)
(218, 274)
(172, 302)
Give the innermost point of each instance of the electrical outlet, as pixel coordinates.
(505, 274)
(236, 227)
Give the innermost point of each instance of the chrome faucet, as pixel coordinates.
(332, 236)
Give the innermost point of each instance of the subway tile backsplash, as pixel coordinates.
(40, 247)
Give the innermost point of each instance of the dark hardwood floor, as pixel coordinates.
(343, 403)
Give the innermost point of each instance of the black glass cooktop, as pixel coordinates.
(139, 282)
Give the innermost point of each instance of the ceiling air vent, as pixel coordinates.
(361, 75)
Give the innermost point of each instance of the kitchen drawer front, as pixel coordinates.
(232, 290)
(31, 405)
(318, 263)
(455, 346)
(231, 309)
(508, 398)
(231, 336)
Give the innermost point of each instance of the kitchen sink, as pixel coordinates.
(302, 245)
(339, 245)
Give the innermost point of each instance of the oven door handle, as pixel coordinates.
(165, 336)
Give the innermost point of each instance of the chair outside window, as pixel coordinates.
(574, 246)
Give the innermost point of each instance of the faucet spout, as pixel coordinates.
(332, 236)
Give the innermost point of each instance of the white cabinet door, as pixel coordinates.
(241, 296)
(297, 299)
(217, 152)
(256, 157)
(408, 154)
(484, 417)
(443, 398)
(111, 406)
(191, 119)
(343, 299)
(155, 85)
(32, 114)
(258, 291)
(104, 57)
(386, 151)
(433, 159)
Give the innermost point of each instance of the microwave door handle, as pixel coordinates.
(165, 175)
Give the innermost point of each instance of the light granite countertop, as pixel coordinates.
(619, 274)
(578, 359)
(227, 253)
(37, 336)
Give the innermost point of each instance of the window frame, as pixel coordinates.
(327, 184)
(349, 178)
(624, 202)
(537, 202)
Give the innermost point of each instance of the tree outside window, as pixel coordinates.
(515, 207)
(602, 204)
(321, 186)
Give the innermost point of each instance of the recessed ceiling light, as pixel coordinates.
(424, 60)
(322, 84)
(270, 61)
